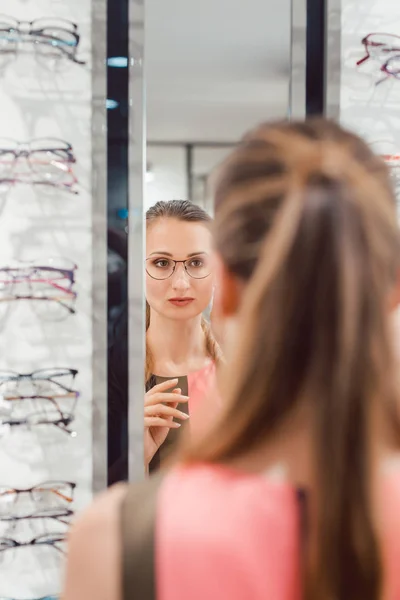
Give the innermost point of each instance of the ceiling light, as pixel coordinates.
(119, 62)
(111, 104)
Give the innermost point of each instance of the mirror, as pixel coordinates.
(213, 70)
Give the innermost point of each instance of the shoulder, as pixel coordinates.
(94, 553)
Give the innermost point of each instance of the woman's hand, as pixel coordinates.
(160, 407)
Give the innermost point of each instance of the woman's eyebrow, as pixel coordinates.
(163, 253)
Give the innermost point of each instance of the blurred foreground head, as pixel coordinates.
(305, 217)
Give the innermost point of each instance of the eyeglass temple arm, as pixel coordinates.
(363, 60)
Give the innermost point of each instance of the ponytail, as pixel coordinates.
(314, 334)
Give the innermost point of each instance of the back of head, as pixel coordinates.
(306, 215)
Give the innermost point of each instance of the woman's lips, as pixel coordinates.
(181, 301)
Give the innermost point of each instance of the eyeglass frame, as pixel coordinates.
(64, 147)
(175, 263)
(57, 516)
(67, 158)
(19, 491)
(385, 69)
(60, 372)
(61, 423)
(68, 274)
(365, 42)
(73, 30)
(67, 416)
(61, 537)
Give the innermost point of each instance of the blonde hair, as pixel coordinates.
(182, 210)
(306, 214)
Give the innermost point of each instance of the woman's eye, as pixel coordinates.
(162, 263)
(196, 262)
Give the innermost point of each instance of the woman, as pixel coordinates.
(180, 350)
(181, 353)
(294, 493)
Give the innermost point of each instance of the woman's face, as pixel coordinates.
(179, 296)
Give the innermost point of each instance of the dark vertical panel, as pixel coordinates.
(189, 170)
(117, 212)
(315, 57)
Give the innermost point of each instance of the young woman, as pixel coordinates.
(295, 492)
(181, 353)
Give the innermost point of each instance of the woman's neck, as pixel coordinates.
(177, 347)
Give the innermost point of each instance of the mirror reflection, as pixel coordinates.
(209, 79)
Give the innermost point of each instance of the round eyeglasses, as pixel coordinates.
(198, 267)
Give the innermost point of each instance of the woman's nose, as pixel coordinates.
(180, 279)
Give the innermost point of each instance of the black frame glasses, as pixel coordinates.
(36, 419)
(52, 376)
(185, 263)
(52, 37)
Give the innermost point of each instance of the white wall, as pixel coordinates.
(168, 171)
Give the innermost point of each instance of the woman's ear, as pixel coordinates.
(228, 292)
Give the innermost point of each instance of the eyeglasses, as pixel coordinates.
(384, 47)
(61, 517)
(380, 46)
(46, 496)
(198, 267)
(41, 162)
(47, 411)
(16, 388)
(54, 418)
(53, 39)
(47, 539)
(42, 598)
(391, 68)
(42, 379)
(51, 282)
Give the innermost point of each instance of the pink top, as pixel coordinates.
(204, 399)
(230, 535)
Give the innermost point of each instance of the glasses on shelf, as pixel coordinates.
(37, 419)
(380, 46)
(50, 282)
(43, 394)
(43, 162)
(42, 598)
(197, 267)
(40, 399)
(53, 540)
(53, 40)
(48, 496)
(63, 516)
(391, 68)
(42, 379)
(384, 47)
